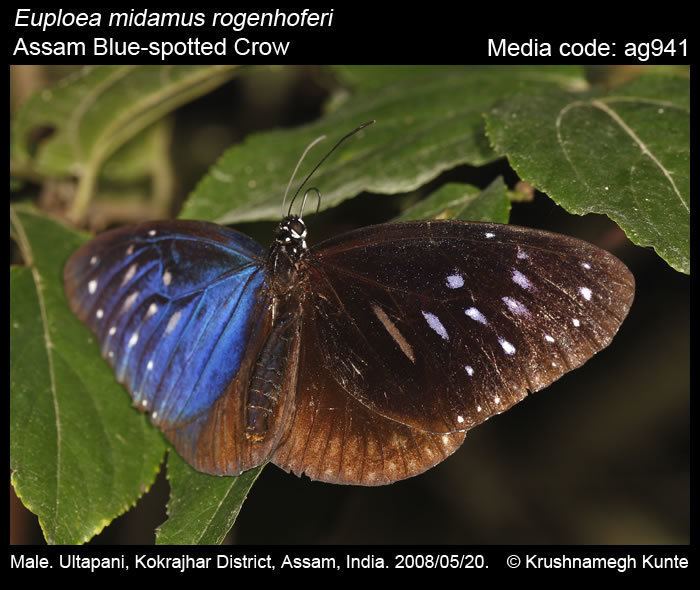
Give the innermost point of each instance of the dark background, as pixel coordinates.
(602, 456)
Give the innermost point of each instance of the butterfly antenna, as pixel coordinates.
(296, 169)
(303, 202)
(335, 147)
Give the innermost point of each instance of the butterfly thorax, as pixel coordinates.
(287, 250)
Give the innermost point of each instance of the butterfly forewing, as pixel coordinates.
(419, 331)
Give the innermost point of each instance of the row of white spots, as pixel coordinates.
(435, 323)
(144, 405)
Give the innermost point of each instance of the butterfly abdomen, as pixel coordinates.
(267, 408)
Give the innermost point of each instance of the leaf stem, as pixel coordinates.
(83, 195)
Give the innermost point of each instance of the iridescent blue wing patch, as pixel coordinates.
(174, 306)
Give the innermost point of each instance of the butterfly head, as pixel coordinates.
(291, 235)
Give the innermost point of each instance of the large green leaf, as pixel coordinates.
(625, 153)
(202, 508)
(465, 202)
(80, 454)
(92, 113)
(428, 121)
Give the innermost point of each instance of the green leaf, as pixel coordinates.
(428, 121)
(624, 154)
(91, 114)
(202, 508)
(80, 454)
(136, 159)
(465, 202)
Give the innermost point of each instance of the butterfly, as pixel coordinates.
(364, 359)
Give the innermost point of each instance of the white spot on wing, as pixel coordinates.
(152, 233)
(455, 281)
(94, 260)
(112, 330)
(586, 293)
(144, 403)
(515, 306)
(134, 339)
(460, 419)
(497, 400)
(435, 323)
(167, 278)
(130, 250)
(576, 322)
(489, 235)
(548, 338)
(149, 366)
(129, 274)
(586, 265)
(469, 369)
(99, 314)
(521, 280)
(152, 309)
(476, 315)
(172, 322)
(92, 286)
(507, 347)
(522, 255)
(129, 301)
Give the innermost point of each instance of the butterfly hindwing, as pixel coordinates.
(416, 332)
(175, 306)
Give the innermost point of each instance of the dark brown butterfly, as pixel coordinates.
(362, 360)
